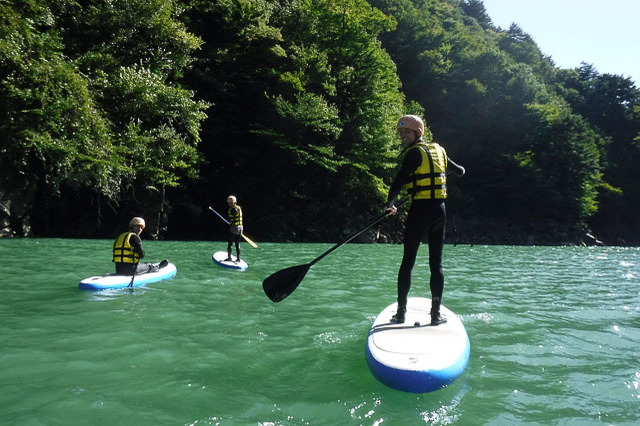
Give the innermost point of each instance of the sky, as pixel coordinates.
(604, 33)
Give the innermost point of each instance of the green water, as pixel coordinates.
(555, 337)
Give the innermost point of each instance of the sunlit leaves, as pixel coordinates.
(89, 98)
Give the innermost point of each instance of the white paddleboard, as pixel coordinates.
(416, 356)
(220, 258)
(109, 281)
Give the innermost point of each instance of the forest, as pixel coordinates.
(162, 108)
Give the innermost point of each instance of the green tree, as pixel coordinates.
(568, 154)
(305, 106)
(133, 52)
(51, 129)
(476, 9)
(91, 99)
(611, 103)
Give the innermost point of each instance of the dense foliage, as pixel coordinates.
(92, 105)
(163, 107)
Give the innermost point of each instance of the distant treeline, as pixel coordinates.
(161, 108)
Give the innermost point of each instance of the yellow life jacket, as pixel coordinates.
(123, 251)
(429, 181)
(235, 216)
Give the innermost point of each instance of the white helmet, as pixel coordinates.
(136, 221)
(412, 122)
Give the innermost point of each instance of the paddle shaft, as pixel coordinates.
(364, 228)
(219, 215)
(279, 285)
(337, 246)
(133, 277)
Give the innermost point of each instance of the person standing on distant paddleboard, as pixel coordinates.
(423, 172)
(127, 251)
(235, 227)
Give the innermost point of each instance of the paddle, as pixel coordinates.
(133, 277)
(247, 239)
(281, 284)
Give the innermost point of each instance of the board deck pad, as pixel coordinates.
(416, 356)
(113, 281)
(220, 258)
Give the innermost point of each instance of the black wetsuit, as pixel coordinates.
(426, 217)
(234, 235)
(233, 239)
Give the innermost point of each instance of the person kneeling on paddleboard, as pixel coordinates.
(127, 251)
(235, 227)
(423, 172)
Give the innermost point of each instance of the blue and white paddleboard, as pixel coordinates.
(220, 258)
(110, 281)
(416, 356)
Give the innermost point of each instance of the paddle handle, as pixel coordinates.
(364, 228)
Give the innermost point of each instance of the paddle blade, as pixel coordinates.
(281, 284)
(251, 243)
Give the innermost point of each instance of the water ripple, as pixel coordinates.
(554, 333)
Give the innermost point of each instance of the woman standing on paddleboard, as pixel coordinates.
(423, 172)
(235, 227)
